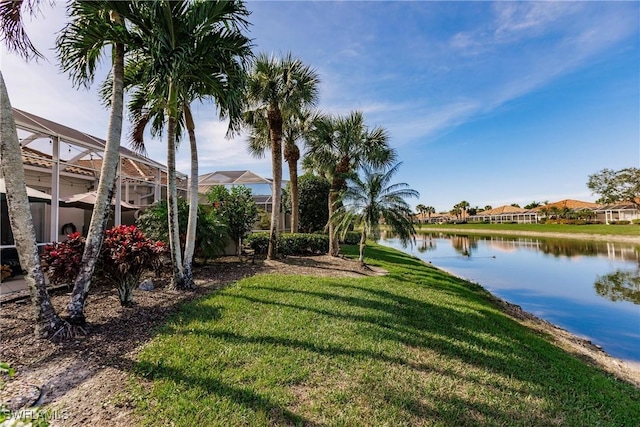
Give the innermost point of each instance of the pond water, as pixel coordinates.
(589, 288)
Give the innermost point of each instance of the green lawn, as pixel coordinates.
(416, 347)
(626, 230)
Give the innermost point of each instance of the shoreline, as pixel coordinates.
(542, 234)
(578, 346)
(582, 348)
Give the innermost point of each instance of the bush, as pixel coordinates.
(211, 233)
(302, 243)
(259, 242)
(290, 243)
(621, 222)
(126, 253)
(314, 208)
(635, 221)
(351, 238)
(61, 261)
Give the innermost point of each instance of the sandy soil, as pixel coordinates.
(84, 380)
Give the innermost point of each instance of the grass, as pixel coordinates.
(416, 347)
(618, 230)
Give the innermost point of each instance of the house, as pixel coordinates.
(65, 164)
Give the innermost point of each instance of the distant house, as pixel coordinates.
(65, 163)
(261, 188)
(569, 207)
(621, 211)
(506, 213)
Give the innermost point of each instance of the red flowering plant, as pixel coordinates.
(126, 254)
(61, 261)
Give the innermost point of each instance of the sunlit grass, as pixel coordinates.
(416, 347)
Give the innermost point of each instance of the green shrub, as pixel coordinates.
(290, 243)
(259, 242)
(302, 243)
(620, 222)
(351, 238)
(212, 234)
(635, 221)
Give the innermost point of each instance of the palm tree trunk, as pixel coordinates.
(177, 279)
(190, 240)
(47, 321)
(275, 131)
(363, 245)
(100, 216)
(292, 155)
(334, 246)
(295, 198)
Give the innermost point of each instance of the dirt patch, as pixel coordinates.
(83, 381)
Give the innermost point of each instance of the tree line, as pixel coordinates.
(168, 55)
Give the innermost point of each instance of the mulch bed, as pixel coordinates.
(83, 379)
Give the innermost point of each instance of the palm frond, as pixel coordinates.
(12, 31)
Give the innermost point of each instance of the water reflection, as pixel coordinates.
(620, 286)
(466, 245)
(591, 288)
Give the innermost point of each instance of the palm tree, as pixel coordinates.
(277, 88)
(373, 197)
(47, 322)
(340, 146)
(421, 209)
(202, 55)
(295, 127)
(430, 210)
(94, 27)
(463, 206)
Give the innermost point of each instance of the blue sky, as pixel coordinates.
(492, 103)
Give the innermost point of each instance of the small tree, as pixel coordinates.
(616, 186)
(314, 212)
(372, 197)
(211, 233)
(236, 208)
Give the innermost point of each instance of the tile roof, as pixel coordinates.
(232, 177)
(570, 204)
(506, 209)
(37, 158)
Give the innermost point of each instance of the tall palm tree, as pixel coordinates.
(94, 27)
(277, 88)
(196, 51)
(463, 206)
(429, 210)
(421, 209)
(47, 322)
(295, 128)
(338, 147)
(372, 197)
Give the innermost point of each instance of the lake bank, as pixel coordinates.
(417, 346)
(542, 234)
(461, 266)
(328, 345)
